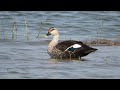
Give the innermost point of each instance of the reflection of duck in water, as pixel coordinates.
(69, 49)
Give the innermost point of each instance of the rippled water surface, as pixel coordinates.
(21, 58)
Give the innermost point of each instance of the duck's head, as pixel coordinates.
(52, 31)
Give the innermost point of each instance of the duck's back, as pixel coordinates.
(77, 48)
(65, 44)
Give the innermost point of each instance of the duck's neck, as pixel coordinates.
(54, 42)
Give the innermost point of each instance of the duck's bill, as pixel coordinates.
(45, 36)
(48, 34)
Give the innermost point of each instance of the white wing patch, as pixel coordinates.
(75, 46)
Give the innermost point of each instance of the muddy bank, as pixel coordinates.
(102, 42)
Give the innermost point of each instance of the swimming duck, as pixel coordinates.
(69, 49)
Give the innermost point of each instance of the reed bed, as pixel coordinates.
(99, 41)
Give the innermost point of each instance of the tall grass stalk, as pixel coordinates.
(97, 36)
(39, 30)
(3, 28)
(14, 29)
(102, 24)
(26, 30)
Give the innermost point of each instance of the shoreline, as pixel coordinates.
(102, 42)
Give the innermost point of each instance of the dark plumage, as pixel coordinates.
(68, 49)
(77, 52)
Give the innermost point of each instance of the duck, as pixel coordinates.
(68, 49)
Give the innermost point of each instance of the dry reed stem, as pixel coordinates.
(14, 29)
(3, 28)
(39, 30)
(26, 30)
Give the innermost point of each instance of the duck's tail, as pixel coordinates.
(91, 50)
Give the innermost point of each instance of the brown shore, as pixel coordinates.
(102, 42)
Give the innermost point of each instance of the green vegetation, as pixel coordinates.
(3, 28)
(38, 36)
(14, 29)
(26, 30)
(99, 41)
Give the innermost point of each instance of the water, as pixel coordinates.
(23, 59)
